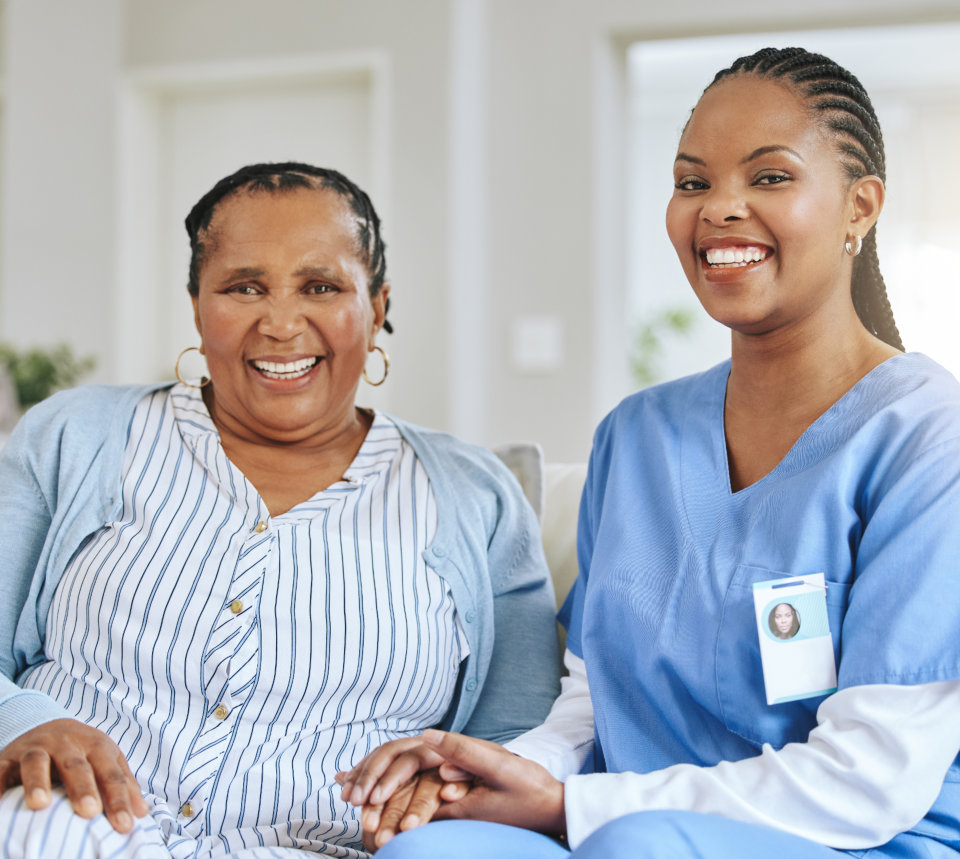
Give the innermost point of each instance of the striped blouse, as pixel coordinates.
(239, 660)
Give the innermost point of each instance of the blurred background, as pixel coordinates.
(519, 153)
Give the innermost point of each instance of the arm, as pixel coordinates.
(561, 744)
(25, 518)
(870, 769)
(522, 677)
(38, 743)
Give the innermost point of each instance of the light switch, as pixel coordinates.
(537, 344)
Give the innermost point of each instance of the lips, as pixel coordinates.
(286, 370)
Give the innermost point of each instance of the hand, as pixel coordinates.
(506, 788)
(91, 767)
(386, 769)
(409, 807)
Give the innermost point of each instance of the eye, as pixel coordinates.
(690, 183)
(772, 179)
(243, 289)
(319, 288)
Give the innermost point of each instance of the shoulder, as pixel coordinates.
(909, 400)
(670, 406)
(454, 456)
(78, 421)
(88, 403)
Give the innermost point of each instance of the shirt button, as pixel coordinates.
(221, 712)
(469, 616)
(260, 527)
(187, 810)
(236, 606)
(471, 685)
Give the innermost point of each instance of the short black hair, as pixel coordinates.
(278, 177)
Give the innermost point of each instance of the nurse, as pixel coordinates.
(820, 467)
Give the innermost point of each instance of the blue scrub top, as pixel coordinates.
(663, 610)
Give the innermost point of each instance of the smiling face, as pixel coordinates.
(285, 314)
(761, 208)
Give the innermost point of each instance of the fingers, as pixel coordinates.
(119, 791)
(357, 783)
(468, 756)
(385, 770)
(77, 778)
(422, 805)
(95, 776)
(454, 791)
(406, 809)
(34, 769)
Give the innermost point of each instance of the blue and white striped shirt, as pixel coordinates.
(239, 660)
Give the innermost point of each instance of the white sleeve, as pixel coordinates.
(871, 769)
(563, 741)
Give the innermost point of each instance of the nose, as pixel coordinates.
(723, 205)
(283, 317)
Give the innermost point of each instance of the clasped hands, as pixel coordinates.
(406, 783)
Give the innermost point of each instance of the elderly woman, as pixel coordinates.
(219, 595)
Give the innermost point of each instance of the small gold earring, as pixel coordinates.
(386, 369)
(204, 381)
(853, 246)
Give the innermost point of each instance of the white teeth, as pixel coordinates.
(291, 370)
(735, 256)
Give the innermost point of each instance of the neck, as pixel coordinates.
(802, 370)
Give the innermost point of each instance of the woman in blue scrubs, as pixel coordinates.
(819, 467)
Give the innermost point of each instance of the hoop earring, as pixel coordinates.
(204, 381)
(386, 369)
(853, 246)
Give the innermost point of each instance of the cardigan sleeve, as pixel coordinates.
(523, 676)
(25, 518)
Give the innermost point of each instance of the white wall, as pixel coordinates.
(503, 195)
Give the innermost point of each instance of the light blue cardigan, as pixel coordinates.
(60, 482)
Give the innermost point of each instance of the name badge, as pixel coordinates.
(795, 643)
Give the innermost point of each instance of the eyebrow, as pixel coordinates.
(317, 271)
(757, 153)
(768, 150)
(254, 272)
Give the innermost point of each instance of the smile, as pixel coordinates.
(734, 257)
(291, 370)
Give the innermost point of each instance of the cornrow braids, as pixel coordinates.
(285, 176)
(838, 97)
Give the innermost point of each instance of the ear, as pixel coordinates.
(379, 302)
(866, 198)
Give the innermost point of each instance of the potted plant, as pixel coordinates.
(36, 373)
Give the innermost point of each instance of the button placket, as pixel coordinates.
(230, 665)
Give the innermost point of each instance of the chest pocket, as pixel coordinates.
(743, 706)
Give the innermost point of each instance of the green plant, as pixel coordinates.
(648, 342)
(37, 373)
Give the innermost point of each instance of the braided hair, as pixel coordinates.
(835, 95)
(277, 178)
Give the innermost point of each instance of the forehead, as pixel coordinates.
(283, 216)
(744, 112)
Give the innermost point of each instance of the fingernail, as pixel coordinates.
(38, 796)
(432, 736)
(411, 821)
(88, 805)
(124, 821)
